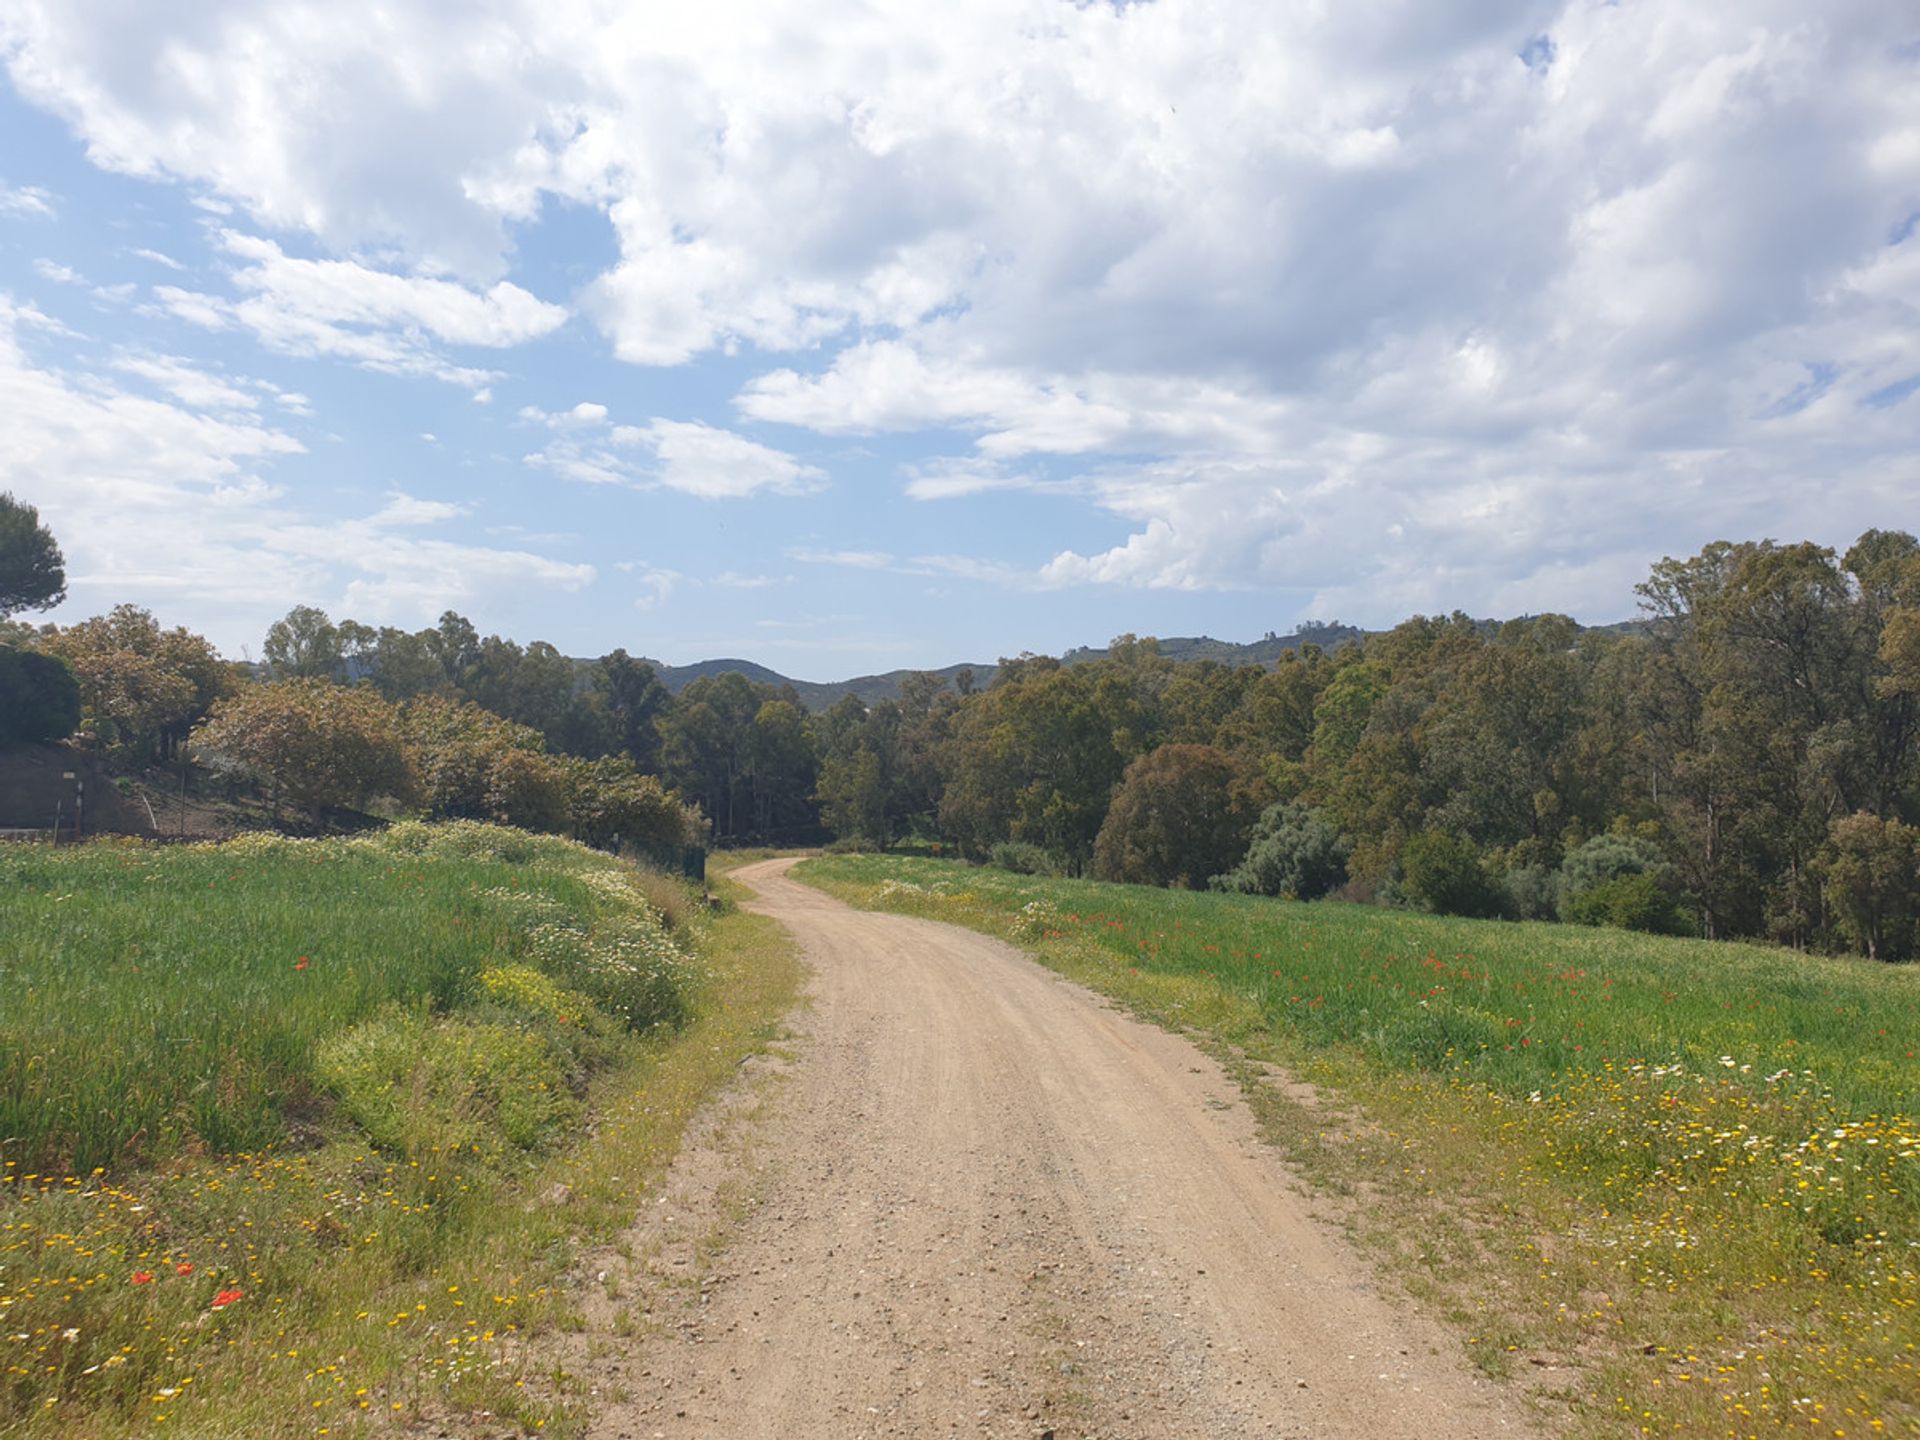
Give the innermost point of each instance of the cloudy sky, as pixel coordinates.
(850, 334)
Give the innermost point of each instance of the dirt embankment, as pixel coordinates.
(993, 1205)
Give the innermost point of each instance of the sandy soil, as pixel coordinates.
(990, 1204)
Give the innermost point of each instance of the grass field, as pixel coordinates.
(1676, 1182)
(296, 1133)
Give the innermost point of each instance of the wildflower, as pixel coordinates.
(143, 1277)
(183, 1269)
(227, 1297)
(301, 963)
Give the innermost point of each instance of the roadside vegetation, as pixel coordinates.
(1689, 1171)
(301, 1136)
(1742, 761)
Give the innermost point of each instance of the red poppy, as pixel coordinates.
(183, 1269)
(143, 1277)
(301, 963)
(227, 1297)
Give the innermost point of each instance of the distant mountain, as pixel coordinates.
(818, 695)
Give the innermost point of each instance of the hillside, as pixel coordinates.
(818, 695)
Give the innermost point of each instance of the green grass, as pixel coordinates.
(154, 1000)
(1690, 1169)
(394, 1235)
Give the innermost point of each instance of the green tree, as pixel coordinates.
(309, 741)
(142, 688)
(611, 802)
(461, 754)
(33, 573)
(636, 700)
(304, 644)
(1180, 818)
(1871, 875)
(39, 698)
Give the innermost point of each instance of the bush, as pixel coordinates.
(1295, 853)
(1629, 902)
(1606, 858)
(1442, 872)
(1023, 859)
(1533, 892)
(39, 698)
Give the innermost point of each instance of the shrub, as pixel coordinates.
(39, 698)
(1295, 852)
(1605, 858)
(1023, 859)
(1533, 892)
(1629, 902)
(1442, 872)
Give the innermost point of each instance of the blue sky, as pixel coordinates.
(850, 336)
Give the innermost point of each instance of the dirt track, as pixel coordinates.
(994, 1205)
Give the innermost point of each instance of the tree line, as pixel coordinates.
(1742, 761)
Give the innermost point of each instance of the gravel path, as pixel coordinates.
(991, 1204)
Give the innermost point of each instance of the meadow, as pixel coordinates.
(1673, 1184)
(301, 1137)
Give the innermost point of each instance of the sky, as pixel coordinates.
(848, 335)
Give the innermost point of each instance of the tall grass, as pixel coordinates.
(158, 1000)
(1696, 1166)
(359, 1071)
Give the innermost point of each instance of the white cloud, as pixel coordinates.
(60, 274)
(404, 509)
(25, 202)
(845, 559)
(187, 383)
(655, 583)
(350, 311)
(161, 503)
(1422, 303)
(157, 258)
(684, 455)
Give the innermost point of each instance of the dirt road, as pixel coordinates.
(994, 1205)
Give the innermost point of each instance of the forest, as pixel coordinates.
(1740, 761)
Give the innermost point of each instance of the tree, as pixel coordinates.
(142, 688)
(743, 751)
(461, 753)
(612, 801)
(1871, 876)
(317, 744)
(39, 698)
(636, 699)
(1180, 817)
(33, 573)
(1294, 852)
(304, 644)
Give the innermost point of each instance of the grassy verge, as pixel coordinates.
(1676, 1183)
(501, 1042)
